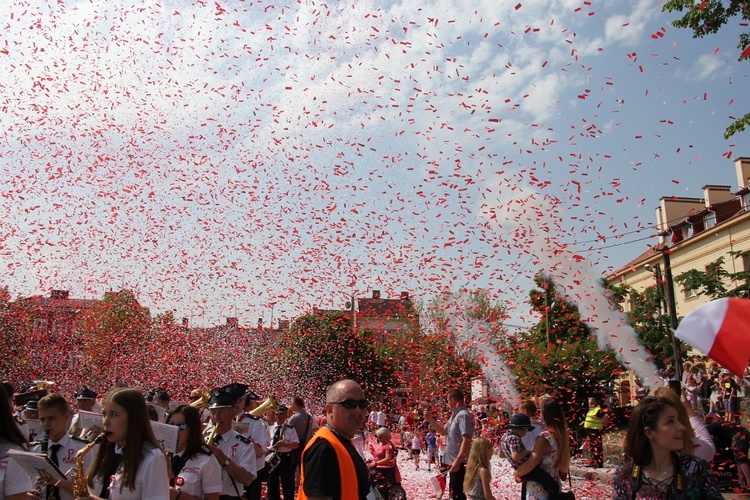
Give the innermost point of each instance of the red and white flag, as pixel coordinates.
(721, 330)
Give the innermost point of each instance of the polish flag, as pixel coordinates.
(721, 330)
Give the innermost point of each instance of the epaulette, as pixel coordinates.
(251, 417)
(34, 443)
(79, 439)
(289, 426)
(20, 420)
(244, 439)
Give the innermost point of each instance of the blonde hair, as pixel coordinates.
(688, 446)
(477, 460)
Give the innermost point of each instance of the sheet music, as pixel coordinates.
(166, 435)
(89, 419)
(36, 464)
(35, 427)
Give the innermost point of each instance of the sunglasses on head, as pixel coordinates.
(350, 404)
(181, 425)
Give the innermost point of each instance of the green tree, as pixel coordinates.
(559, 356)
(117, 335)
(650, 319)
(717, 282)
(320, 349)
(706, 17)
(16, 324)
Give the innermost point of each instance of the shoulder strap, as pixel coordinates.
(679, 482)
(635, 480)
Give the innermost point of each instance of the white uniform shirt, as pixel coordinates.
(200, 475)
(258, 434)
(288, 434)
(151, 481)
(66, 456)
(13, 479)
(242, 452)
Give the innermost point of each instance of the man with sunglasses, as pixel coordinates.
(331, 467)
(459, 431)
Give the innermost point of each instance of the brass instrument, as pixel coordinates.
(80, 488)
(266, 406)
(202, 402)
(212, 436)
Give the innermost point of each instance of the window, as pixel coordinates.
(709, 220)
(689, 294)
(746, 261)
(688, 231)
(746, 201)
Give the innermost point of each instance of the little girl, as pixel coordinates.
(416, 448)
(478, 472)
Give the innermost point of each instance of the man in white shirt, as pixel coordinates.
(234, 452)
(284, 439)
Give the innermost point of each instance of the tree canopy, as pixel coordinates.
(707, 17)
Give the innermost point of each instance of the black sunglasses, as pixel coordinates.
(181, 425)
(350, 404)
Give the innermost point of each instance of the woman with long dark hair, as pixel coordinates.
(656, 467)
(551, 450)
(14, 482)
(129, 464)
(197, 473)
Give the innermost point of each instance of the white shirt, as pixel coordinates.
(151, 481)
(66, 456)
(381, 419)
(289, 435)
(13, 479)
(530, 438)
(242, 452)
(258, 434)
(200, 475)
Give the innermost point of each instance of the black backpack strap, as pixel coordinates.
(679, 480)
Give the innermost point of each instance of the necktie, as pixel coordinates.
(178, 462)
(108, 477)
(52, 491)
(277, 435)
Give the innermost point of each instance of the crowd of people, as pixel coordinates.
(232, 446)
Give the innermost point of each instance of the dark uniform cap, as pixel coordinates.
(520, 421)
(33, 404)
(251, 396)
(282, 409)
(86, 394)
(235, 390)
(220, 398)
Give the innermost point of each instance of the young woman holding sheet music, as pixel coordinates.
(197, 474)
(14, 483)
(129, 465)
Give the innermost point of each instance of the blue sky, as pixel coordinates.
(213, 155)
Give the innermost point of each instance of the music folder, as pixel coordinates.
(37, 464)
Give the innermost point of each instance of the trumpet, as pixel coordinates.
(212, 436)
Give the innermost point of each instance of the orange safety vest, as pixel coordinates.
(347, 472)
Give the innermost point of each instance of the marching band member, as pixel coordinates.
(129, 465)
(197, 473)
(20, 422)
(14, 484)
(283, 442)
(257, 433)
(85, 401)
(234, 452)
(61, 447)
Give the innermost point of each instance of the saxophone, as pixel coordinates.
(80, 488)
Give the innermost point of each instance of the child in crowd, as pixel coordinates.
(512, 447)
(432, 449)
(416, 448)
(478, 472)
